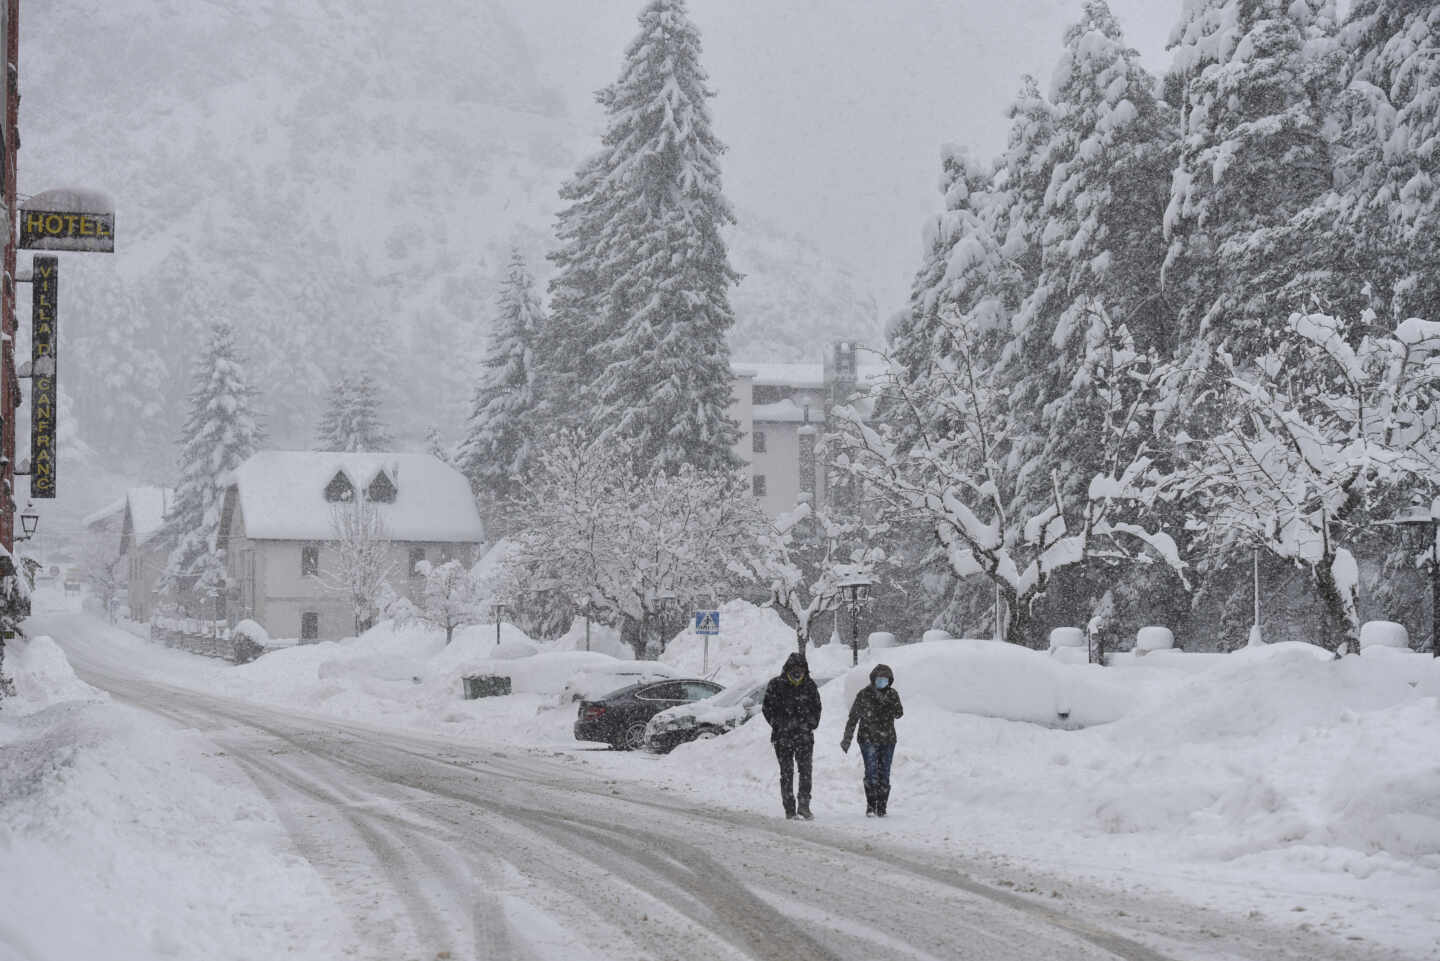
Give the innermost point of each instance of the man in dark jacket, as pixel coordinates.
(874, 712)
(792, 706)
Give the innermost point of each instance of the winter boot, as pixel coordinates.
(882, 797)
(804, 809)
(869, 800)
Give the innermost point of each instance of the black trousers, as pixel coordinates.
(794, 753)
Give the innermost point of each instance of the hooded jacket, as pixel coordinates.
(793, 710)
(874, 710)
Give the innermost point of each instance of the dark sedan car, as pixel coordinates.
(619, 718)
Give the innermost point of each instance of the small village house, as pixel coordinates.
(278, 527)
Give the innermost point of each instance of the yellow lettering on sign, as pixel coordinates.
(34, 221)
(45, 271)
(87, 227)
(54, 224)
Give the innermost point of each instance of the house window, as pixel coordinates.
(310, 560)
(417, 554)
(757, 442)
(757, 484)
(381, 490)
(339, 490)
(310, 626)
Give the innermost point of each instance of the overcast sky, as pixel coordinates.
(835, 110)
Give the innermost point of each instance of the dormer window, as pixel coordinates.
(339, 490)
(381, 490)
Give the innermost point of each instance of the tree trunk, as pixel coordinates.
(1340, 621)
(802, 636)
(449, 632)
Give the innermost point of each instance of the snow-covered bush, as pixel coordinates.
(1383, 634)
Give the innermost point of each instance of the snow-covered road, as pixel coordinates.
(439, 847)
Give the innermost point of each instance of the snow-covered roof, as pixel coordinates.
(147, 506)
(783, 375)
(105, 513)
(786, 412)
(799, 375)
(282, 495)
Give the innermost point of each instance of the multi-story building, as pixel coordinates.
(783, 410)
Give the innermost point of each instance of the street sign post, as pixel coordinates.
(707, 623)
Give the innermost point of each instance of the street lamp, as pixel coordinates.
(497, 611)
(656, 602)
(854, 584)
(29, 521)
(1419, 515)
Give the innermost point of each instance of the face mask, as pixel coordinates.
(796, 678)
(882, 682)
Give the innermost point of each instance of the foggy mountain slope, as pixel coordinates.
(343, 180)
(314, 177)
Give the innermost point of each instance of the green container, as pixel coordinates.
(485, 685)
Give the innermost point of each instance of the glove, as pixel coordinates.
(845, 746)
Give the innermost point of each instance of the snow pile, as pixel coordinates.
(42, 676)
(752, 641)
(125, 839)
(1269, 762)
(1383, 634)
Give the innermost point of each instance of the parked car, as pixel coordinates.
(709, 718)
(619, 718)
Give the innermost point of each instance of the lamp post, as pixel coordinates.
(656, 602)
(854, 584)
(497, 610)
(1418, 514)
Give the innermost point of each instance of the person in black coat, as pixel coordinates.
(874, 712)
(792, 706)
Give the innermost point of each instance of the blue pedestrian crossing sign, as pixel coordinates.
(707, 622)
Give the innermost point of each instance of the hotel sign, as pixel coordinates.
(67, 230)
(46, 287)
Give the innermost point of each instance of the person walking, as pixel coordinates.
(873, 712)
(792, 707)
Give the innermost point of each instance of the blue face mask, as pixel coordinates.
(882, 682)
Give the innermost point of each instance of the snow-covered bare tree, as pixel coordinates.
(641, 294)
(636, 546)
(961, 475)
(352, 420)
(103, 568)
(1318, 431)
(363, 558)
(501, 435)
(450, 598)
(800, 561)
(220, 432)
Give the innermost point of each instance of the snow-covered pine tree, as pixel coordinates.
(220, 432)
(1254, 80)
(352, 421)
(640, 299)
(1101, 251)
(1388, 157)
(964, 274)
(501, 435)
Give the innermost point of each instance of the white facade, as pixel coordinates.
(782, 411)
(278, 529)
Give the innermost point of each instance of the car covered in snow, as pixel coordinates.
(709, 718)
(619, 717)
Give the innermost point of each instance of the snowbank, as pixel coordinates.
(42, 677)
(752, 641)
(124, 839)
(1264, 770)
